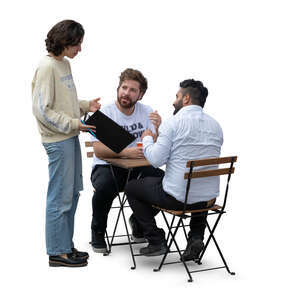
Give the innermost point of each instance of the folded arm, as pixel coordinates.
(102, 151)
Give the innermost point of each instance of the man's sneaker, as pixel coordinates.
(79, 254)
(98, 242)
(154, 250)
(137, 234)
(193, 249)
(70, 261)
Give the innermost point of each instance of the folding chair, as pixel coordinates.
(212, 209)
(120, 207)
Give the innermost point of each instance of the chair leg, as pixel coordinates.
(121, 201)
(211, 236)
(172, 222)
(128, 236)
(121, 211)
(220, 252)
(170, 243)
(185, 234)
(109, 245)
(177, 247)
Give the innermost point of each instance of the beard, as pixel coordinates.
(178, 106)
(128, 102)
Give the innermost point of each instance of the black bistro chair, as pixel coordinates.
(212, 209)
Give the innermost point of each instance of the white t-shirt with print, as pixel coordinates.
(136, 123)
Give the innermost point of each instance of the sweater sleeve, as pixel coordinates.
(43, 100)
(84, 107)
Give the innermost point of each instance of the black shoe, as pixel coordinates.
(154, 250)
(98, 242)
(193, 249)
(137, 234)
(79, 254)
(70, 261)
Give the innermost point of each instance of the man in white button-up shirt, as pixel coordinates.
(189, 134)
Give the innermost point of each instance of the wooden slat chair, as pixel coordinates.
(212, 209)
(110, 238)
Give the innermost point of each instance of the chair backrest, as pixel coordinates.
(88, 145)
(212, 172)
(210, 161)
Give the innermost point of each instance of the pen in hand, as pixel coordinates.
(88, 128)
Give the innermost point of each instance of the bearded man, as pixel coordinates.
(188, 135)
(135, 117)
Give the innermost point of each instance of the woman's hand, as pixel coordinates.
(86, 128)
(94, 105)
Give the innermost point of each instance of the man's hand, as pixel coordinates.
(156, 119)
(148, 132)
(94, 105)
(133, 152)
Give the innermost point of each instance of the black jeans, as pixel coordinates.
(144, 193)
(105, 190)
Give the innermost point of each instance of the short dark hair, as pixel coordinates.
(197, 91)
(131, 74)
(63, 34)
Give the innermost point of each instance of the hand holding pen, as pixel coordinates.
(85, 128)
(93, 107)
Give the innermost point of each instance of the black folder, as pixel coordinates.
(109, 132)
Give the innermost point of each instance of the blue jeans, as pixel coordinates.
(65, 182)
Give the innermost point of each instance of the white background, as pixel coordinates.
(247, 54)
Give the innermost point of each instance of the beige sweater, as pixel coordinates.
(54, 100)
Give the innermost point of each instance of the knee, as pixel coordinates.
(130, 187)
(66, 205)
(102, 194)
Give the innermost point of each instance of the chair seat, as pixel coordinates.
(179, 212)
(210, 206)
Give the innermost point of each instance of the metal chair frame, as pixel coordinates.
(120, 207)
(185, 214)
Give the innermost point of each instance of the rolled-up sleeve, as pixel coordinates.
(158, 153)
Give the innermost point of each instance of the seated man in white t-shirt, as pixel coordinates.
(135, 118)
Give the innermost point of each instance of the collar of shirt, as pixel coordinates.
(191, 107)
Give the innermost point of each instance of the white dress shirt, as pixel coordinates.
(189, 135)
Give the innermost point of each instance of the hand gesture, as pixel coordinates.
(94, 105)
(155, 118)
(148, 132)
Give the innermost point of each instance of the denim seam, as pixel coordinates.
(59, 196)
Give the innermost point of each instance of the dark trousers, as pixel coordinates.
(144, 193)
(106, 191)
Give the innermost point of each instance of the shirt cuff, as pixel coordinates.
(84, 106)
(75, 124)
(147, 140)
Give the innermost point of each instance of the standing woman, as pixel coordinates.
(58, 111)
